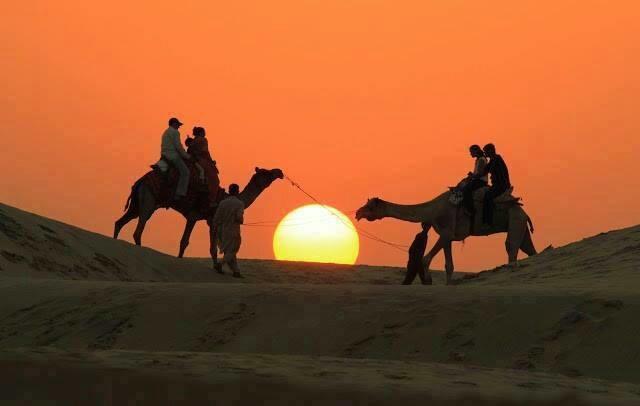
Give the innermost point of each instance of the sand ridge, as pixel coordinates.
(562, 323)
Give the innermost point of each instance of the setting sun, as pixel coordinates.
(315, 233)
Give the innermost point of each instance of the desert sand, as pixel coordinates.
(85, 319)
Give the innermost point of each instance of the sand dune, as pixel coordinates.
(78, 304)
(36, 247)
(605, 261)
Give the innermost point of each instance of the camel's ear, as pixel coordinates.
(257, 169)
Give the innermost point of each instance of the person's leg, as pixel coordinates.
(234, 267)
(232, 262)
(411, 273)
(473, 185)
(487, 206)
(183, 181)
(422, 276)
(467, 198)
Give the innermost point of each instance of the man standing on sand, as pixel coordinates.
(227, 220)
(173, 151)
(416, 252)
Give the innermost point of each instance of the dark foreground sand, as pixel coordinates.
(85, 319)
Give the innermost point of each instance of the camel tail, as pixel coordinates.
(530, 224)
(133, 191)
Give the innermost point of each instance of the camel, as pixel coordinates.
(452, 224)
(143, 203)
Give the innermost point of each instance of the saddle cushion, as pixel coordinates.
(506, 197)
(163, 184)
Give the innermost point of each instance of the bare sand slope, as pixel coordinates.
(605, 261)
(560, 331)
(53, 377)
(37, 247)
(565, 321)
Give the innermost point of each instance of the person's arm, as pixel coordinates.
(216, 217)
(487, 168)
(240, 216)
(481, 164)
(178, 145)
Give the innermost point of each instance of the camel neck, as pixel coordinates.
(415, 213)
(250, 193)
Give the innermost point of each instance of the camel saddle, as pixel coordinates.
(506, 197)
(457, 196)
(162, 184)
(502, 204)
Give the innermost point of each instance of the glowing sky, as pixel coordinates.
(351, 98)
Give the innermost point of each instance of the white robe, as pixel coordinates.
(229, 215)
(171, 148)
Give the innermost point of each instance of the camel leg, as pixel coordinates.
(410, 275)
(515, 234)
(426, 261)
(448, 258)
(512, 244)
(188, 229)
(147, 207)
(123, 221)
(527, 245)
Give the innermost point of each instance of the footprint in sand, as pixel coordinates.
(12, 257)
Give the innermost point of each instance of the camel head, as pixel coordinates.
(371, 211)
(264, 177)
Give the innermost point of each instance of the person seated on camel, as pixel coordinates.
(500, 182)
(172, 150)
(199, 167)
(199, 149)
(476, 179)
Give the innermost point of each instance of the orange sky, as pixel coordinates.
(351, 98)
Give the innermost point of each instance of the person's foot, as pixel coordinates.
(237, 275)
(218, 268)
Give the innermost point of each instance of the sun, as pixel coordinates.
(316, 233)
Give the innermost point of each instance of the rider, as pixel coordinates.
(199, 149)
(500, 182)
(476, 179)
(173, 151)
